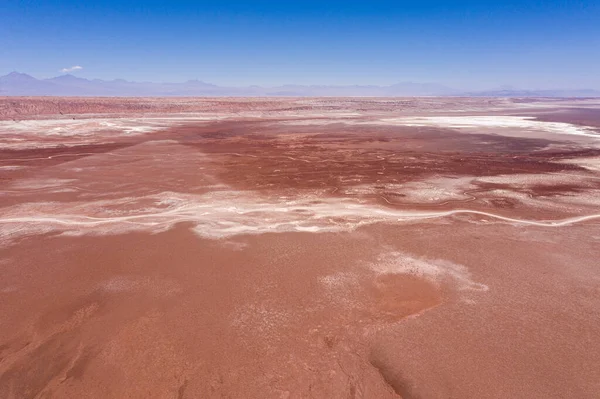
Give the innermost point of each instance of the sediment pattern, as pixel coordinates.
(299, 248)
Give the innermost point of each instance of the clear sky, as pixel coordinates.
(464, 44)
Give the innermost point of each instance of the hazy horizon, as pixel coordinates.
(507, 87)
(467, 45)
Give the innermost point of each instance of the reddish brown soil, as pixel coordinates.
(43, 107)
(120, 278)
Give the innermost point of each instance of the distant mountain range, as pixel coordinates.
(21, 84)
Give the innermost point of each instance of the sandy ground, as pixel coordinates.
(299, 248)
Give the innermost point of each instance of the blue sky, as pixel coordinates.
(465, 44)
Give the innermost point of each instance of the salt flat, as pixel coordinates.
(336, 247)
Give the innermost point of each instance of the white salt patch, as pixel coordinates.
(37, 184)
(434, 190)
(311, 122)
(546, 179)
(118, 284)
(234, 245)
(11, 167)
(260, 320)
(12, 231)
(591, 163)
(49, 133)
(133, 284)
(500, 122)
(434, 270)
(338, 280)
(340, 288)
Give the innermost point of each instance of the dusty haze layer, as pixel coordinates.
(296, 248)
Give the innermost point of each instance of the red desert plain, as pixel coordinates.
(299, 248)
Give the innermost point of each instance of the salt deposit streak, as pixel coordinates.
(214, 215)
(502, 122)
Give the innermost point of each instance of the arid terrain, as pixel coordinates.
(299, 248)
